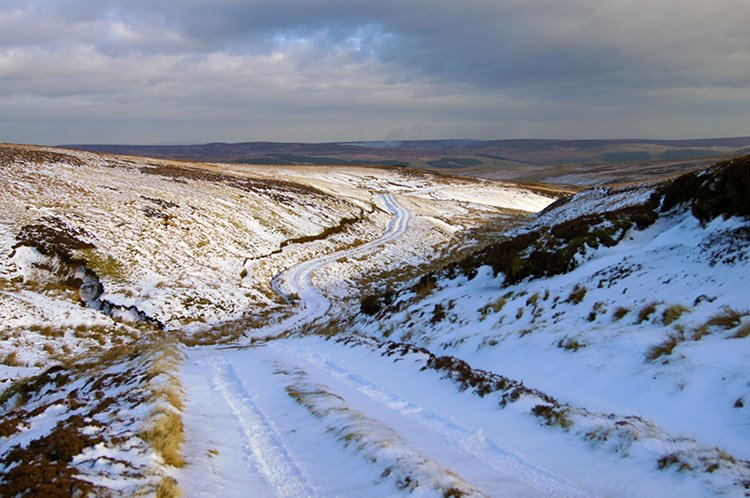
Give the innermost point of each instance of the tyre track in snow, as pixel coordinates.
(299, 277)
(265, 446)
(314, 305)
(456, 435)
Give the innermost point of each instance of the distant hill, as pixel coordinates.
(587, 162)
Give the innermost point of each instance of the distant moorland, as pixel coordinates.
(587, 162)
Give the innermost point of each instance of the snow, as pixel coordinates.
(690, 393)
(120, 461)
(416, 415)
(284, 410)
(508, 198)
(414, 430)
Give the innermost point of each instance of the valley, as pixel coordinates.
(206, 329)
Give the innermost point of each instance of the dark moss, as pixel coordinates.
(723, 190)
(281, 191)
(726, 192)
(370, 304)
(10, 154)
(43, 467)
(327, 232)
(51, 235)
(680, 191)
(27, 388)
(438, 314)
(482, 382)
(552, 251)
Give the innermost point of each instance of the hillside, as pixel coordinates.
(623, 309)
(202, 329)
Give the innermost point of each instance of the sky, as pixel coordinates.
(196, 71)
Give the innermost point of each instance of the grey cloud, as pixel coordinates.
(480, 65)
(486, 42)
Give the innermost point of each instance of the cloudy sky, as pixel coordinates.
(194, 71)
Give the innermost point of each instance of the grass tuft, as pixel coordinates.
(673, 459)
(620, 313)
(665, 348)
(742, 332)
(425, 286)
(166, 435)
(531, 301)
(438, 314)
(454, 493)
(570, 344)
(700, 332)
(11, 359)
(727, 319)
(577, 295)
(168, 488)
(552, 416)
(673, 313)
(494, 306)
(164, 431)
(647, 311)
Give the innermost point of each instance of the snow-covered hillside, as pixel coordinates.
(111, 256)
(230, 330)
(197, 244)
(628, 310)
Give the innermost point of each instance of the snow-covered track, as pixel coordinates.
(298, 278)
(452, 433)
(265, 449)
(291, 402)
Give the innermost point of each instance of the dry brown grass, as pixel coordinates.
(330, 329)
(47, 330)
(727, 319)
(665, 348)
(217, 335)
(700, 332)
(168, 488)
(11, 359)
(165, 358)
(493, 307)
(531, 301)
(166, 435)
(673, 313)
(228, 331)
(116, 353)
(577, 294)
(647, 311)
(169, 393)
(742, 332)
(164, 430)
(553, 415)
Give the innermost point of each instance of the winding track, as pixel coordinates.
(263, 439)
(268, 463)
(299, 277)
